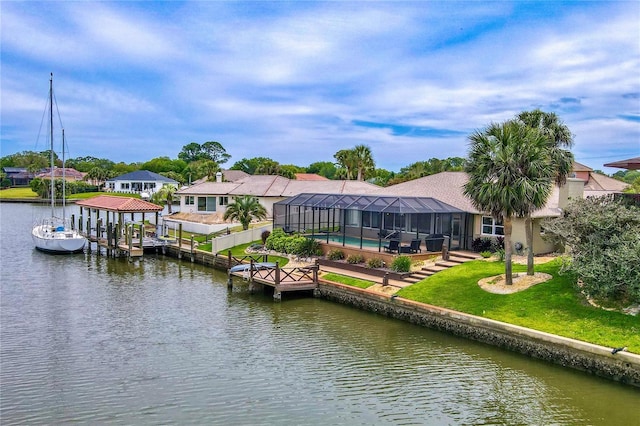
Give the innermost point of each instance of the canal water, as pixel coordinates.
(94, 340)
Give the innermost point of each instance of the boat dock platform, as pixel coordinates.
(272, 275)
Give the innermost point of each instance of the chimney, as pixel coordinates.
(573, 189)
(219, 177)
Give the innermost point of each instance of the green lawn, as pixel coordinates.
(553, 307)
(343, 279)
(18, 193)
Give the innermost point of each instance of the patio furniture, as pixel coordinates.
(393, 246)
(415, 246)
(434, 242)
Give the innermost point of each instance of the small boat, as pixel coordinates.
(246, 266)
(55, 234)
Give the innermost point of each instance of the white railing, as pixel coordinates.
(225, 242)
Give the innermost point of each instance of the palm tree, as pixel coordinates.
(165, 195)
(244, 210)
(346, 163)
(363, 161)
(508, 167)
(558, 137)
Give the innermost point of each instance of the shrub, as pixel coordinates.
(498, 244)
(500, 254)
(401, 264)
(355, 259)
(486, 254)
(335, 254)
(375, 262)
(294, 245)
(482, 244)
(310, 247)
(264, 236)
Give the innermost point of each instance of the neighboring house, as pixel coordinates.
(213, 197)
(309, 176)
(597, 184)
(224, 176)
(19, 176)
(69, 174)
(139, 182)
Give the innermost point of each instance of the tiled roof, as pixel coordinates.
(604, 184)
(278, 186)
(309, 176)
(119, 204)
(59, 171)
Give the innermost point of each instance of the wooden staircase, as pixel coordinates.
(455, 258)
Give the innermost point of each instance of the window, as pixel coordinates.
(223, 201)
(206, 204)
(189, 200)
(352, 217)
(124, 185)
(370, 220)
(490, 226)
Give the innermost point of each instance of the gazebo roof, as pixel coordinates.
(371, 203)
(630, 164)
(119, 204)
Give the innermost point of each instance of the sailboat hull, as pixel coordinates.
(57, 240)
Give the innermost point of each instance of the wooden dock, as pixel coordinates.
(280, 279)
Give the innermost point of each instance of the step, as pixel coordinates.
(435, 268)
(465, 255)
(447, 263)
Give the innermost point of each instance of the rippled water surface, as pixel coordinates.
(92, 340)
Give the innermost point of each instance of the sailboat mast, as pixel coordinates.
(52, 183)
(64, 181)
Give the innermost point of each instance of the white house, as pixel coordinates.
(139, 182)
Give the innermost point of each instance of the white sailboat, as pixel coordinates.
(55, 234)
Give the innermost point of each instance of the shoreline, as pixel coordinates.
(622, 367)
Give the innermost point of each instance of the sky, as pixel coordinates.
(298, 81)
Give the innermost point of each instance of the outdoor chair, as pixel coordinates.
(393, 246)
(415, 246)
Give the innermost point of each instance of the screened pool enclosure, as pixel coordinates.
(371, 221)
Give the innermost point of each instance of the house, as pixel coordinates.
(213, 197)
(597, 184)
(66, 173)
(139, 182)
(463, 229)
(19, 176)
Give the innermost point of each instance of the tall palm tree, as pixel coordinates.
(508, 166)
(559, 139)
(244, 210)
(363, 161)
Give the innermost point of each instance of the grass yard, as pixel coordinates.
(343, 279)
(17, 193)
(553, 307)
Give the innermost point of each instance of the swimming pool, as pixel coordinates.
(349, 241)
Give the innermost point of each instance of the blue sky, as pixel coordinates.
(298, 81)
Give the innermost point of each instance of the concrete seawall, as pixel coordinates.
(623, 367)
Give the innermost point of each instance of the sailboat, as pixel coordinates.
(55, 234)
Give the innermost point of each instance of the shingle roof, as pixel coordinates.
(603, 184)
(119, 204)
(143, 175)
